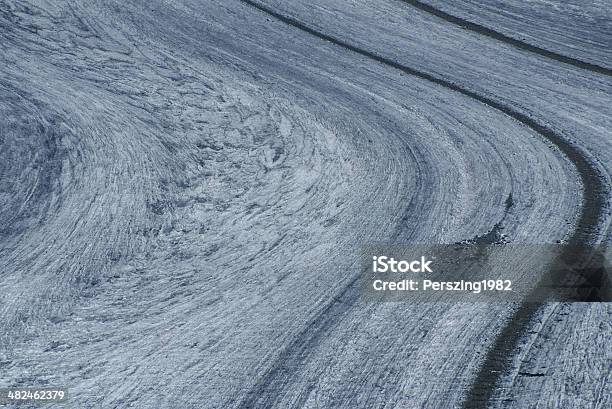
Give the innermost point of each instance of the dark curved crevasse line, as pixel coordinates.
(499, 356)
(482, 30)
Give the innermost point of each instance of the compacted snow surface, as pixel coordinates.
(185, 187)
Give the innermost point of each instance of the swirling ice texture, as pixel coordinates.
(564, 369)
(187, 186)
(573, 28)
